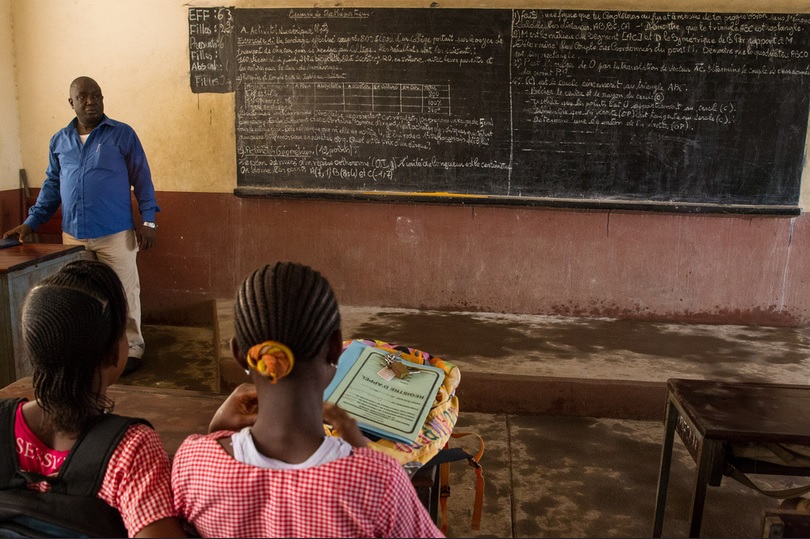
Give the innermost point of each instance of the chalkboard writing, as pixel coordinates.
(589, 105)
(210, 49)
(693, 107)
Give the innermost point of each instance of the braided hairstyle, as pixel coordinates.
(289, 303)
(70, 323)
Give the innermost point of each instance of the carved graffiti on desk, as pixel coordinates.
(688, 436)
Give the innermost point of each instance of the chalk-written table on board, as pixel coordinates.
(21, 267)
(709, 416)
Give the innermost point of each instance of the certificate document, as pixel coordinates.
(382, 403)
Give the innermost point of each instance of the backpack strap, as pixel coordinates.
(737, 475)
(71, 508)
(443, 460)
(8, 457)
(85, 466)
(11, 476)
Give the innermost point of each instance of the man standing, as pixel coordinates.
(92, 165)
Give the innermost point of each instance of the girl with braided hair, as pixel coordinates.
(74, 334)
(281, 476)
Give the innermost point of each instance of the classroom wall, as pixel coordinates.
(726, 269)
(10, 157)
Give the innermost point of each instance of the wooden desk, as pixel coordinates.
(21, 267)
(708, 416)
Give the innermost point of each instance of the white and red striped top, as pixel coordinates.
(367, 494)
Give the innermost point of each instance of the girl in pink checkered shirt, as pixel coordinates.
(280, 476)
(73, 327)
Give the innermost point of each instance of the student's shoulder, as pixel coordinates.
(376, 471)
(196, 443)
(139, 455)
(202, 451)
(140, 437)
(205, 439)
(372, 455)
(374, 460)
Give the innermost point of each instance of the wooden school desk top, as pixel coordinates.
(27, 254)
(745, 412)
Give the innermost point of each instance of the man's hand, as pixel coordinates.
(146, 238)
(238, 411)
(23, 232)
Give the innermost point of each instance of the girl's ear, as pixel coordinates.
(335, 347)
(112, 357)
(241, 359)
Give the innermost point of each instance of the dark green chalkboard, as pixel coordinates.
(679, 109)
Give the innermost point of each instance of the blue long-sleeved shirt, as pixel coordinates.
(92, 181)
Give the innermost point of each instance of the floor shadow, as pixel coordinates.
(177, 357)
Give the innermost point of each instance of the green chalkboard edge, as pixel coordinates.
(570, 203)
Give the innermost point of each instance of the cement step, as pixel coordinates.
(551, 365)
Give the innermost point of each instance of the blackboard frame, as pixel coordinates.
(536, 202)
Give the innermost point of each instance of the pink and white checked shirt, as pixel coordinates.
(138, 479)
(366, 494)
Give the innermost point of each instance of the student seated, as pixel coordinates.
(73, 331)
(282, 477)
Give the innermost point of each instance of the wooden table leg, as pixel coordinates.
(663, 470)
(706, 459)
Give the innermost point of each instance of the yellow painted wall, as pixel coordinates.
(137, 50)
(10, 158)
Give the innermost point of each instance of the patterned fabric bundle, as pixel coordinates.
(441, 420)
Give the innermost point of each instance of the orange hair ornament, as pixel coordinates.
(271, 359)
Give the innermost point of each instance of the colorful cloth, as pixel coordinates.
(366, 494)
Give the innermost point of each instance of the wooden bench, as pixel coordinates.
(709, 416)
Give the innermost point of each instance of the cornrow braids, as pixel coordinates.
(70, 323)
(289, 303)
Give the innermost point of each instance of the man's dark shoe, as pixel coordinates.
(133, 364)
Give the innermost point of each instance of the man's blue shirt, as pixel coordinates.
(92, 181)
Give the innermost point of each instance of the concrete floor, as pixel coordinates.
(562, 458)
